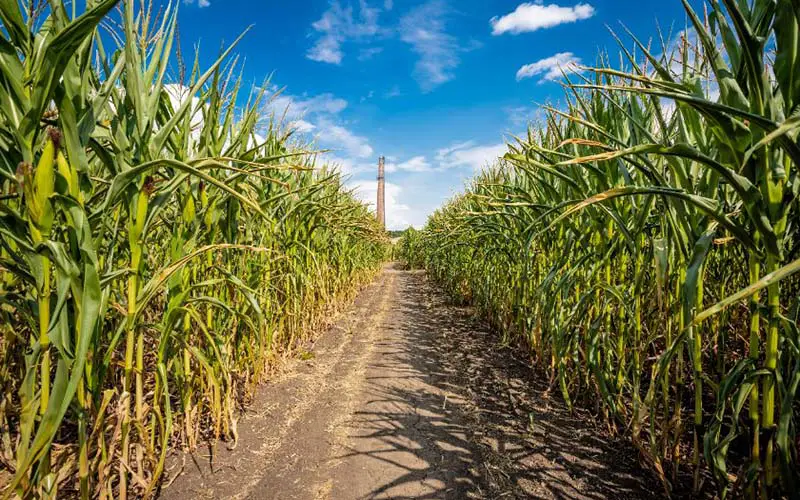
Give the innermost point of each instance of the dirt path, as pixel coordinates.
(409, 397)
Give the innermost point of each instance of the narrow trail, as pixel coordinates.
(410, 397)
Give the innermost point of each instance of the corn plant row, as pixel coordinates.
(410, 249)
(160, 245)
(641, 245)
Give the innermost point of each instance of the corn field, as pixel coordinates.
(640, 244)
(161, 244)
(410, 249)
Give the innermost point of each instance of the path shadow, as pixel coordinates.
(482, 425)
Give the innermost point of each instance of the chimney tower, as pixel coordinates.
(382, 191)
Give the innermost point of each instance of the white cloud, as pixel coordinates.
(328, 50)
(297, 111)
(534, 16)
(393, 92)
(341, 139)
(338, 25)
(415, 164)
(299, 106)
(302, 126)
(444, 152)
(550, 68)
(324, 103)
(369, 53)
(523, 115)
(370, 95)
(398, 215)
(468, 154)
(417, 186)
(424, 29)
(347, 166)
(200, 3)
(319, 116)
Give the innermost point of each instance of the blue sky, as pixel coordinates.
(434, 85)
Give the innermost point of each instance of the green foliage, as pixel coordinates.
(397, 234)
(643, 243)
(409, 249)
(159, 246)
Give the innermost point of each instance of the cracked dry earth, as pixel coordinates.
(408, 396)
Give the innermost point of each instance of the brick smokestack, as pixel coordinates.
(382, 191)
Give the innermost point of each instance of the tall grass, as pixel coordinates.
(641, 244)
(160, 244)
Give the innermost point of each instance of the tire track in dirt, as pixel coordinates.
(411, 397)
(269, 427)
(307, 450)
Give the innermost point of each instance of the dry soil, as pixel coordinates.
(408, 396)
